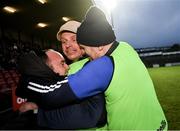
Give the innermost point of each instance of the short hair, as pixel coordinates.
(42, 55)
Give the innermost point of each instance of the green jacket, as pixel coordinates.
(131, 101)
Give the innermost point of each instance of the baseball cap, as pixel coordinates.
(70, 26)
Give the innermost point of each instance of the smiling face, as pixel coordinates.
(70, 47)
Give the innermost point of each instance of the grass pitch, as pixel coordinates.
(167, 85)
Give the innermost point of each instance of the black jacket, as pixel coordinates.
(88, 113)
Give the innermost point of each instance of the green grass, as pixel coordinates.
(167, 85)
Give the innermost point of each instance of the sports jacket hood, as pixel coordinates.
(32, 65)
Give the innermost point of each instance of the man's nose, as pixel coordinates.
(68, 44)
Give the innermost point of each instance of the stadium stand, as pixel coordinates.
(162, 56)
(8, 84)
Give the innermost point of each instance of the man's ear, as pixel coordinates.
(83, 51)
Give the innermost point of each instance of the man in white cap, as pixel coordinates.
(67, 36)
(71, 49)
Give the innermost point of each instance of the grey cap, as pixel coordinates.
(71, 26)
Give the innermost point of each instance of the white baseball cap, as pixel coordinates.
(71, 26)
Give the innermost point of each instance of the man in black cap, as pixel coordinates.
(116, 70)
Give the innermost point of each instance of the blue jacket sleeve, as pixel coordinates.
(92, 79)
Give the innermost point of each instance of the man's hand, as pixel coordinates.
(27, 107)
